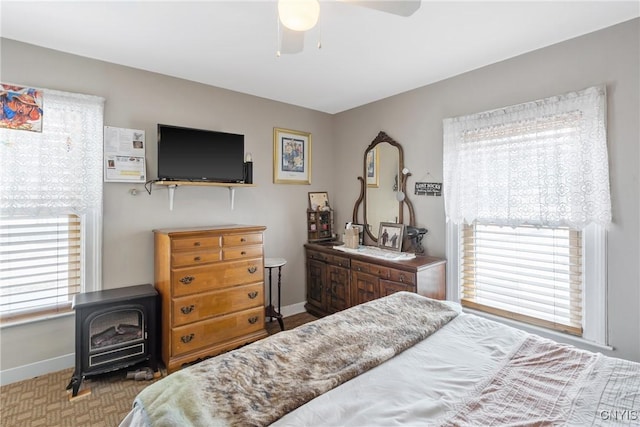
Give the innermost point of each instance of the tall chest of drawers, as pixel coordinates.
(211, 285)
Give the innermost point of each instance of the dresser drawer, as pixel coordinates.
(193, 280)
(182, 259)
(362, 267)
(242, 239)
(240, 252)
(195, 243)
(209, 304)
(402, 276)
(380, 271)
(216, 330)
(340, 261)
(319, 256)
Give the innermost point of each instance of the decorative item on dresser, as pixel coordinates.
(319, 225)
(337, 280)
(319, 217)
(211, 285)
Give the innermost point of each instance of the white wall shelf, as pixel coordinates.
(172, 185)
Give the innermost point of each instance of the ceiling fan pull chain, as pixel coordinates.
(278, 36)
(319, 33)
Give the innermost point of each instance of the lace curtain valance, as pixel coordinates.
(59, 170)
(541, 163)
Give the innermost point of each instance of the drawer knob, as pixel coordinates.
(402, 278)
(187, 338)
(243, 239)
(197, 258)
(253, 294)
(187, 279)
(187, 309)
(243, 253)
(253, 319)
(196, 243)
(252, 269)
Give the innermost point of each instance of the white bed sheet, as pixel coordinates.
(419, 386)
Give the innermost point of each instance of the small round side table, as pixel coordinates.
(270, 311)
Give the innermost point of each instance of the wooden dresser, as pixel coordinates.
(211, 285)
(337, 280)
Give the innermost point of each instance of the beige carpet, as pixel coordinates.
(43, 401)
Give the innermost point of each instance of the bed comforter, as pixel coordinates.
(259, 383)
(470, 371)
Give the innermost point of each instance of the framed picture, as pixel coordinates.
(390, 236)
(360, 228)
(291, 157)
(21, 108)
(318, 200)
(372, 168)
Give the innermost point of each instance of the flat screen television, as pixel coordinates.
(186, 154)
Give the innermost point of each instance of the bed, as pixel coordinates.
(399, 360)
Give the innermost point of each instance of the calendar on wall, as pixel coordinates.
(124, 155)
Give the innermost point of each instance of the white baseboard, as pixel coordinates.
(290, 310)
(44, 367)
(33, 370)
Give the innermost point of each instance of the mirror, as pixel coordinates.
(381, 204)
(383, 182)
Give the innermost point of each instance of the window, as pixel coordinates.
(527, 199)
(532, 274)
(51, 208)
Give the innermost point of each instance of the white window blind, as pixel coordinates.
(524, 273)
(40, 264)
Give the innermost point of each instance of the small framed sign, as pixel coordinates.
(428, 189)
(318, 200)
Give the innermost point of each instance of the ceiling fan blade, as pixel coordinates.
(396, 7)
(290, 41)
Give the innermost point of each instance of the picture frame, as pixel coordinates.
(390, 236)
(22, 107)
(291, 156)
(318, 200)
(360, 228)
(373, 165)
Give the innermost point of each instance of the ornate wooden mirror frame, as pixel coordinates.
(401, 193)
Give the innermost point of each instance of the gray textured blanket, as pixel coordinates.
(257, 384)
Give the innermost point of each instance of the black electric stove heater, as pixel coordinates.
(115, 328)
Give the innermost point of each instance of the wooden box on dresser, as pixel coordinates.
(211, 285)
(337, 280)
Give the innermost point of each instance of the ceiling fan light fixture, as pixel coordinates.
(299, 15)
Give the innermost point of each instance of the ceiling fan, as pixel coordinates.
(297, 16)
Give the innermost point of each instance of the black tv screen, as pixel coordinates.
(199, 155)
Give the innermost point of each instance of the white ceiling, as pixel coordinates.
(366, 55)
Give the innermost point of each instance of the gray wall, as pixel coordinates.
(414, 119)
(138, 99)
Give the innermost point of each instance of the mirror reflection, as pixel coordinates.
(382, 186)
